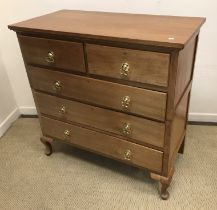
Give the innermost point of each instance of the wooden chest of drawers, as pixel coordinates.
(115, 84)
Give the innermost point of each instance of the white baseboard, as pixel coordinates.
(8, 121)
(196, 117)
(202, 117)
(27, 110)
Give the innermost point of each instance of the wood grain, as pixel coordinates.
(146, 103)
(170, 111)
(132, 28)
(178, 129)
(144, 66)
(161, 53)
(185, 64)
(103, 144)
(143, 131)
(67, 55)
(181, 69)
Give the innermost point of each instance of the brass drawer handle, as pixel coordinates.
(57, 85)
(128, 154)
(62, 109)
(125, 69)
(50, 57)
(125, 102)
(127, 129)
(66, 133)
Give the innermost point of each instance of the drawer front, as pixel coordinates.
(139, 129)
(140, 66)
(120, 97)
(103, 144)
(55, 53)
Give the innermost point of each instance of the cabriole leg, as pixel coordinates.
(164, 194)
(165, 183)
(47, 142)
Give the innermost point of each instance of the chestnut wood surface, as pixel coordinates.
(67, 55)
(141, 130)
(144, 66)
(157, 30)
(87, 79)
(103, 144)
(143, 102)
(184, 69)
(178, 124)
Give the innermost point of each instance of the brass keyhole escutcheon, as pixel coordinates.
(125, 69)
(66, 133)
(127, 129)
(62, 109)
(125, 102)
(128, 154)
(57, 85)
(50, 57)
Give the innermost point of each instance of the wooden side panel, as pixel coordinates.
(178, 125)
(144, 66)
(180, 80)
(184, 69)
(104, 144)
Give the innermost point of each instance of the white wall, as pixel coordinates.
(203, 101)
(8, 107)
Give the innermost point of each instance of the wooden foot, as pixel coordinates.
(164, 194)
(47, 142)
(165, 183)
(182, 147)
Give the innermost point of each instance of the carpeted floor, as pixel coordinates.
(75, 179)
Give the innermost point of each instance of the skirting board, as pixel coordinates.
(8, 121)
(27, 110)
(202, 117)
(195, 117)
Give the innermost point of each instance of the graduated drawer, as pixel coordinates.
(139, 129)
(56, 53)
(107, 94)
(103, 144)
(135, 65)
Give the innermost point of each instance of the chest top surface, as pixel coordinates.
(164, 31)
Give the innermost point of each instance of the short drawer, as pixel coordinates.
(135, 65)
(128, 99)
(136, 128)
(55, 53)
(103, 144)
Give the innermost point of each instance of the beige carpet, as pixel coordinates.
(75, 179)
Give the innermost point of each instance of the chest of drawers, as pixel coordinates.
(114, 84)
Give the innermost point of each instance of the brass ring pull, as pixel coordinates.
(66, 133)
(127, 129)
(125, 69)
(62, 109)
(128, 155)
(50, 57)
(57, 85)
(125, 102)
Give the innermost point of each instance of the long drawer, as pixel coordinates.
(133, 100)
(135, 65)
(54, 53)
(136, 128)
(103, 144)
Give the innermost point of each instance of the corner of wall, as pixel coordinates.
(25, 110)
(7, 122)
